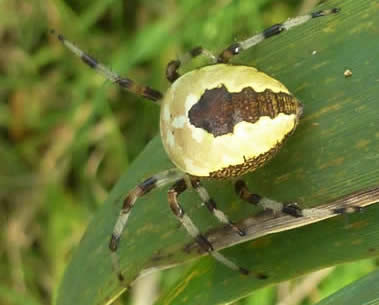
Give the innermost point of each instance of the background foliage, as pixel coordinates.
(66, 136)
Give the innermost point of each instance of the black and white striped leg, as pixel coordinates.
(290, 208)
(173, 66)
(238, 47)
(211, 205)
(156, 181)
(123, 82)
(178, 188)
(266, 203)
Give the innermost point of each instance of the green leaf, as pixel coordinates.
(333, 153)
(363, 291)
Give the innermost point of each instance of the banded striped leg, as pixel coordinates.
(238, 47)
(156, 181)
(178, 188)
(123, 82)
(173, 66)
(291, 208)
(211, 205)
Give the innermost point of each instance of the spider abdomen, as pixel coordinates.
(223, 120)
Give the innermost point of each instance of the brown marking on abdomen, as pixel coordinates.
(219, 110)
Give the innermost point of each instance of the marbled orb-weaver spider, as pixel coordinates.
(218, 121)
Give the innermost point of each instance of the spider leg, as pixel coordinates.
(178, 188)
(159, 180)
(173, 66)
(211, 205)
(238, 47)
(291, 208)
(122, 82)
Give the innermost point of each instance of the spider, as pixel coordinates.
(218, 121)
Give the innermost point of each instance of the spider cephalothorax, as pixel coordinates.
(218, 121)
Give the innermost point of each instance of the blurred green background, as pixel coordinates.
(66, 135)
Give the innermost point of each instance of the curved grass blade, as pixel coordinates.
(365, 291)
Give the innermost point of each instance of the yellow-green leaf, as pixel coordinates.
(363, 291)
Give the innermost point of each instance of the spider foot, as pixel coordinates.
(237, 229)
(258, 275)
(243, 271)
(348, 210)
(114, 242)
(292, 209)
(325, 12)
